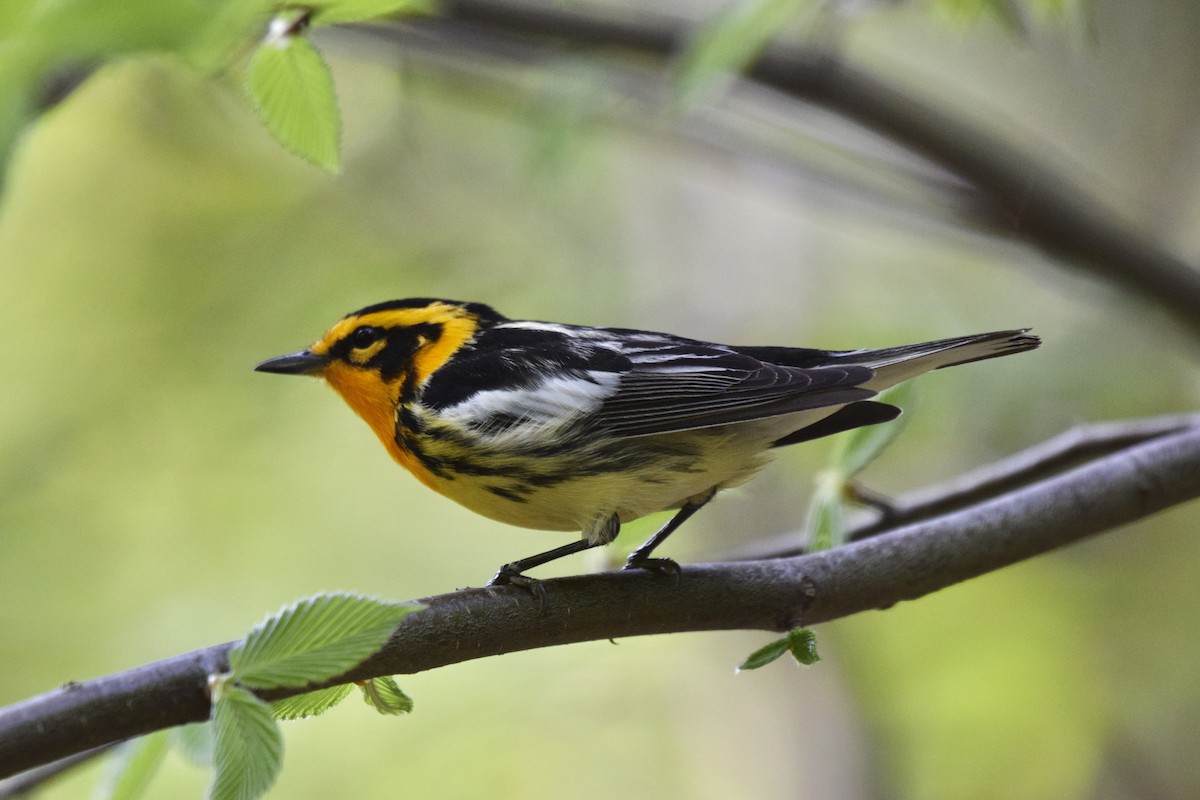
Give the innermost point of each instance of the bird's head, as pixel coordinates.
(375, 355)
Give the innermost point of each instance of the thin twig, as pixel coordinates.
(772, 594)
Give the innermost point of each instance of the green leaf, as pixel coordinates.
(195, 741)
(315, 639)
(386, 696)
(764, 655)
(730, 41)
(247, 745)
(334, 12)
(857, 448)
(131, 767)
(291, 87)
(310, 704)
(826, 522)
(802, 644)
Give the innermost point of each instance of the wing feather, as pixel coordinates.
(523, 380)
(678, 384)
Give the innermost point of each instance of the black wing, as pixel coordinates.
(525, 375)
(674, 384)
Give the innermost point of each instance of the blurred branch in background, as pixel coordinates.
(1014, 192)
(1054, 456)
(1122, 485)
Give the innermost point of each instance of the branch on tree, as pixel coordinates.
(1019, 193)
(1069, 449)
(1118, 487)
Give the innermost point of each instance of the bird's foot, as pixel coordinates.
(659, 566)
(509, 576)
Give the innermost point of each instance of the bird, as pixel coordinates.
(565, 427)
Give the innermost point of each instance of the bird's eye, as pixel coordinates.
(364, 337)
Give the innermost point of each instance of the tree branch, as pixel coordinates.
(1019, 194)
(772, 594)
(1069, 449)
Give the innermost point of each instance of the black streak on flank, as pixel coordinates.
(513, 495)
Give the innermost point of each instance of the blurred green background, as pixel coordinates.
(156, 495)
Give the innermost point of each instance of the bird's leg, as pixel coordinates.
(512, 572)
(640, 558)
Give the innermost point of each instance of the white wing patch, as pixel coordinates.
(506, 417)
(530, 325)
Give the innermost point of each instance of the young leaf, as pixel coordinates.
(247, 745)
(386, 696)
(291, 87)
(195, 741)
(314, 639)
(310, 704)
(730, 41)
(826, 522)
(764, 655)
(859, 447)
(802, 644)
(131, 767)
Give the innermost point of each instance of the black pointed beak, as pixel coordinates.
(302, 363)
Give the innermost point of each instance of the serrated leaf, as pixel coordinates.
(195, 742)
(310, 704)
(314, 639)
(386, 696)
(826, 519)
(802, 644)
(291, 87)
(729, 41)
(336, 12)
(247, 745)
(764, 655)
(857, 448)
(131, 767)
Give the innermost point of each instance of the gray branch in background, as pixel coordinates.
(1123, 485)
(1020, 194)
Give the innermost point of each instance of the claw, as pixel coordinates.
(661, 566)
(508, 576)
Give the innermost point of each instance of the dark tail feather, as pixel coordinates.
(854, 415)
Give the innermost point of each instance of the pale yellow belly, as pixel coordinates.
(582, 499)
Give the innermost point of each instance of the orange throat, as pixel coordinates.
(375, 402)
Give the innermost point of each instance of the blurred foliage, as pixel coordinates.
(1019, 16)
(156, 495)
(726, 44)
(834, 487)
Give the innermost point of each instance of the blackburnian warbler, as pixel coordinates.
(564, 427)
